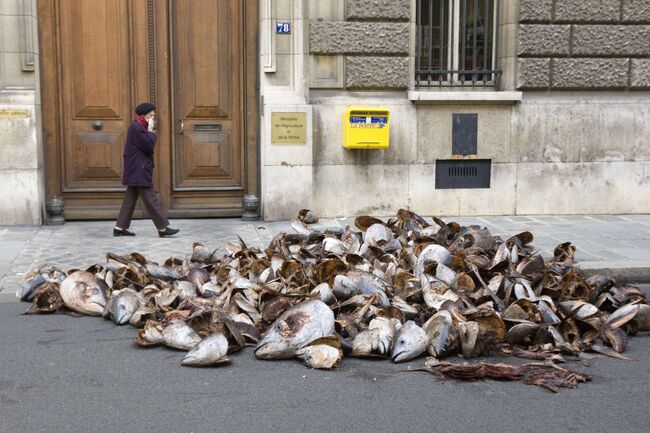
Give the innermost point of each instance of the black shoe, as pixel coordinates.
(167, 232)
(122, 232)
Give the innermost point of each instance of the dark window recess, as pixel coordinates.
(464, 131)
(456, 43)
(454, 173)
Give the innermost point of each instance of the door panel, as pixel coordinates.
(207, 40)
(95, 76)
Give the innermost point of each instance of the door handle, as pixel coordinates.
(181, 126)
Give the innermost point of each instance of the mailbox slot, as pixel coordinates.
(207, 127)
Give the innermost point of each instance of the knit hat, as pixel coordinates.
(144, 108)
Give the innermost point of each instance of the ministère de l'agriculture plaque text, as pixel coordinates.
(289, 128)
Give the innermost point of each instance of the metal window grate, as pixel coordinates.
(456, 43)
(454, 173)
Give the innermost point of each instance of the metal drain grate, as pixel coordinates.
(454, 173)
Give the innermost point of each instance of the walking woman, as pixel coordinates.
(138, 171)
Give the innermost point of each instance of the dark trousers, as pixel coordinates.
(151, 202)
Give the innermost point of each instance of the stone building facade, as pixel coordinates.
(21, 156)
(562, 126)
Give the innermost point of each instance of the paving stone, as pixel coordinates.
(608, 255)
(521, 218)
(609, 218)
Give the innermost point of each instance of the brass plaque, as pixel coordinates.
(11, 113)
(289, 128)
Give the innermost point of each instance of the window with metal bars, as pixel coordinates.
(456, 43)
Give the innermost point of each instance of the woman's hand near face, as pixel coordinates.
(151, 122)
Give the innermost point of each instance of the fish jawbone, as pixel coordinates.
(405, 355)
(272, 355)
(270, 351)
(261, 355)
(95, 308)
(123, 319)
(189, 360)
(194, 361)
(121, 316)
(262, 351)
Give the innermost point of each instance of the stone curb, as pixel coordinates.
(627, 271)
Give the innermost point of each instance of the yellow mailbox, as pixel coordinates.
(366, 128)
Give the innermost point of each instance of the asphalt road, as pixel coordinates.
(64, 374)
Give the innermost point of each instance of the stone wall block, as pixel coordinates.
(586, 188)
(640, 75)
(611, 40)
(589, 73)
(376, 10)
(535, 10)
(533, 73)
(587, 10)
(21, 197)
(377, 72)
(339, 37)
(637, 11)
(341, 190)
(544, 40)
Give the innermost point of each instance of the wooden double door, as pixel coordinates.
(194, 59)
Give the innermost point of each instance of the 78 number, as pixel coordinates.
(283, 27)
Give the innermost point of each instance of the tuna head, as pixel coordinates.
(360, 282)
(211, 350)
(439, 331)
(180, 335)
(323, 353)
(410, 341)
(296, 327)
(82, 292)
(377, 339)
(122, 305)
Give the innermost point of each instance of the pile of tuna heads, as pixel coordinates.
(397, 289)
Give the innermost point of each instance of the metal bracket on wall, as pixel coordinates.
(464, 134)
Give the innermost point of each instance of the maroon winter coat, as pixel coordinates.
(138, 156)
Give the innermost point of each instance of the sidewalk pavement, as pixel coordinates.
(618, 245)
